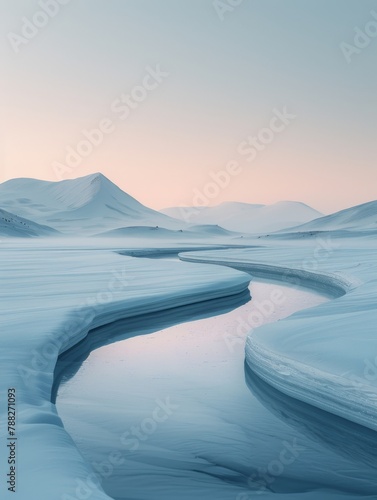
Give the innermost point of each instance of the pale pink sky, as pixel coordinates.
(222, 81)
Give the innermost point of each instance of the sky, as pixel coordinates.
(194, 102)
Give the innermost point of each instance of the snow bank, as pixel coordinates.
(330, 284)
(50, 300)
(325, 356)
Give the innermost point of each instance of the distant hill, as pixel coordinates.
(247, 218)
(83, 206)
(205, 231)
(355, 218)
(93, 205)
(14, 226)
(141, 232)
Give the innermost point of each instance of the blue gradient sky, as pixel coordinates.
(225, 79)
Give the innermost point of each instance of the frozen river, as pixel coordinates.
(168, 412)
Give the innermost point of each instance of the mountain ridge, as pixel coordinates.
(246, 217)
(363, 216)
(89, 204)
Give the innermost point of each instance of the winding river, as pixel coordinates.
(165, 411)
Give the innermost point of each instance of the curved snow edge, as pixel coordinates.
(306, 383)
(117, 311)
(324, 390)
(335, 285)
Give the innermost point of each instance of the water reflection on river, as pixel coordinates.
(170, 415)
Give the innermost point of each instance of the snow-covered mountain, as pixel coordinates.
(355, 218)
(14, 226)
(87, 205)
(247, 218)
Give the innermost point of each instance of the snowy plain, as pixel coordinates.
(56, 290)
(50, 299)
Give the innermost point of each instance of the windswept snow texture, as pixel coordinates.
(88, 205)
(247, 218)
(50, 300)
(325, 356)
(14, 226)
(357, 218)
